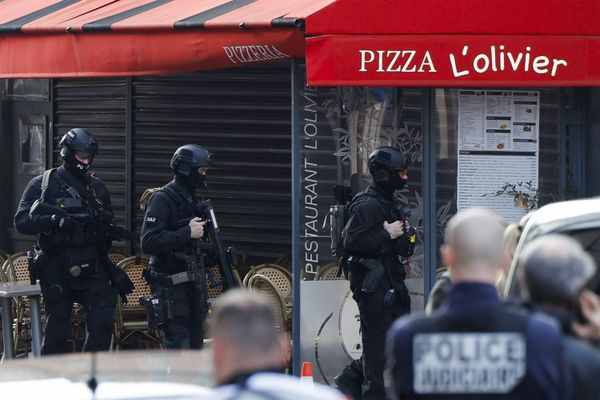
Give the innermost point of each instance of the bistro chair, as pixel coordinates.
(131, 323)
(15, 269)
(116, 256)
(329, 272)
(261, 284)
(3, 258)
(280, 277)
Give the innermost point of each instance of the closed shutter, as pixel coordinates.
(100, 106)
(243, 116)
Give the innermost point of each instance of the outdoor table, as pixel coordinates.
(9, 290)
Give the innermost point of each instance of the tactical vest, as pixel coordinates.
(388, 254)
(80, 235)
(182, 211)
(471, 356)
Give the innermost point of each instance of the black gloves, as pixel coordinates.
(120, 281)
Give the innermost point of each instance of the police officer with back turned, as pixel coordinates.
(473, 346)
(377, 239)
(171, 234)
(70, 212)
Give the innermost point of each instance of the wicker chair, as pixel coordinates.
(131, 324)
(3, 258)
(281, 278)
(263, 285)
(15, 269)
(329, 272)
(116, 257)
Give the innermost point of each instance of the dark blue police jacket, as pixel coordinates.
(475, 347)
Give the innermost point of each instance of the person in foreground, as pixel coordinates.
(249, 353)
(473, 346)
(554, 272)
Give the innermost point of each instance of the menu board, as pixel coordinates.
(498, 144)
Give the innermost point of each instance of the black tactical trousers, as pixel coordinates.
(184, 327)
(93, 293)
(375, 320)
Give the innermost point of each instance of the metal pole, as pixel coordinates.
(36, 328)
(297, 85)
(7, 320)
(429, 194)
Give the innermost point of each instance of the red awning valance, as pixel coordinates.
(454, 43)
(77, 38)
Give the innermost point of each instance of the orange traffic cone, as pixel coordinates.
(307, 374)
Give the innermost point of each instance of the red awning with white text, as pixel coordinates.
(454, 43)
(77, 38)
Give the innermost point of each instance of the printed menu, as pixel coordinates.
(498, 144)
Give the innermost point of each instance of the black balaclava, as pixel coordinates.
(82, 140)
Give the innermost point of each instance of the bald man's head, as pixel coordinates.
(474, 244)
(245, 337)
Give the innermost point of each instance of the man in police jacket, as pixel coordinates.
(473, 346)
(377, 240)
(72, 258)
(171, 229)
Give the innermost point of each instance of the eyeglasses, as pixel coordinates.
(403, 173)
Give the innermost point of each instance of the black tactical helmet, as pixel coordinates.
(384, 165)
(189, 158)
(77, 139)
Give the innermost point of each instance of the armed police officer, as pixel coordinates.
(172, 234)
(377, 240)
(70, 212)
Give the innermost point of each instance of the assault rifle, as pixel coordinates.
(101, 219)
(227, 257)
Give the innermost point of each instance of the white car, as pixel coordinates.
(579, 219)
(125, 375)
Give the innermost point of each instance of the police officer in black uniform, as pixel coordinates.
(378, 240)
(72, 252)
(172, 228)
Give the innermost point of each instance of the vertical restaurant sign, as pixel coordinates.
(309, 227)
(498, 144)
(453, 60)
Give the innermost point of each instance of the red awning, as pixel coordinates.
(77, 38)
(454, 43)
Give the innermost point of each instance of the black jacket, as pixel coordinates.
(364, 235)
(50, 236)
(166, 227)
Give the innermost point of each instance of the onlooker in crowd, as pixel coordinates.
(377, 237)
(249, 353)
(474, 346)
(553, 273)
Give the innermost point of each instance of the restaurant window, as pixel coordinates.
(26, 89)
(341, 127)
(495, 148)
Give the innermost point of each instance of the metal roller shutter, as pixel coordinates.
(99, 105)
(243, 117)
